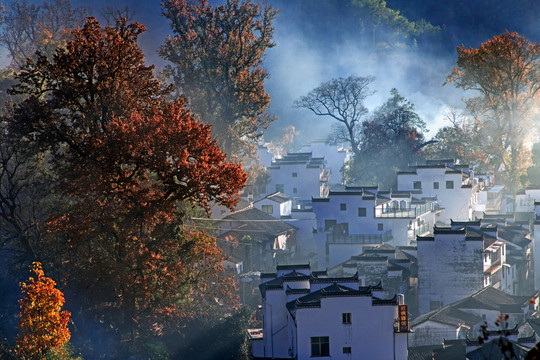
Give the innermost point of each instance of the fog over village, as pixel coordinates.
(289, 179)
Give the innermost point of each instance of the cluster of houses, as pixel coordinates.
(422, 271)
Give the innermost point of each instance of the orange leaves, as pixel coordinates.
(504, 72)
(128, 162)
(42, 326)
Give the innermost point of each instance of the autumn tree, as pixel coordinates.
(504, 72)
(216, 56)
(125, 160)
(462, 140)
(341, 99)
(43, 327)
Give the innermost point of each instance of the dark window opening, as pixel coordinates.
(320, 346)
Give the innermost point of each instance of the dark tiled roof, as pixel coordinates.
(278, 197)
(535, 325)
(491, 298)
(492, 350)
(293, 267)
(295, 276)
(320, 273)
(465, 223)
(448, 315)
(335, 290)
(329, 280)
(256, 224)
(424, 352)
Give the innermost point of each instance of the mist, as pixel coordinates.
(320, 40)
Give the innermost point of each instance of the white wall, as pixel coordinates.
(449, 268)
(370, 335)
(458, 202)
(305, 222)
(334, 156)
(307, 182)
(278, 209)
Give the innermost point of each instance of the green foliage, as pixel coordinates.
(533, 172)
(391, 140)
(388, 27)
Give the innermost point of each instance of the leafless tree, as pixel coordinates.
(26, 28)
(343, 100)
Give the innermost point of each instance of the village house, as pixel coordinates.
(394, 267)
(276, 204)
(309, 314)
(256, 238)
(453, 185)
(279, 206)
(350, 219)
(334, 155)
(458, 260)
(300, 176)
(462, 319)
(519, 252)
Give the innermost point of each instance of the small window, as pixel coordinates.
(269, 209)
(346, 317)
(417, 185)
(346, 349)
(280, 188)
(320, 346)
(436, 185)
(449, 184)
(343, 207)
(294, 174)
(362, 212)
(295, 190)
(380, 227)
(329, 225)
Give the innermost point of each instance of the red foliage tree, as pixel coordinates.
(504, 72)
(42, 326)
(126, 160)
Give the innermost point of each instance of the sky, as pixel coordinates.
(316, 41)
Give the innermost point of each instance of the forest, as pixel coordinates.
(105, 159)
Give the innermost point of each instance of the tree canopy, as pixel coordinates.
(127, 162)
(29, 28)
(504, 71)
(216, 56)
(389, 141)
(343, 100)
